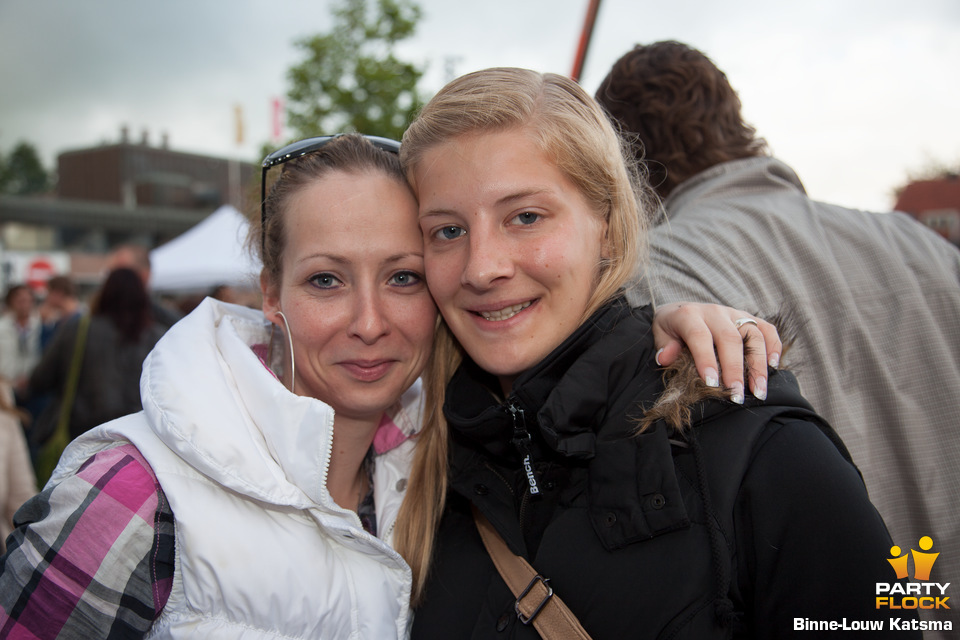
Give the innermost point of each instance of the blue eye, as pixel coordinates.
(527, 217)
(450, 232)
(406, 279)
(325, 281)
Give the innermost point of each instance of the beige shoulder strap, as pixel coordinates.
(536, 603)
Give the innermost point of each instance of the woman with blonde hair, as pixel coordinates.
(255, 495)
(649, 511)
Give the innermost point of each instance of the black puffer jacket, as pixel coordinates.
(753, 519)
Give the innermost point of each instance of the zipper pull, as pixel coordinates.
(521, 440)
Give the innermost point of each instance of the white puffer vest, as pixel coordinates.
(262, 551)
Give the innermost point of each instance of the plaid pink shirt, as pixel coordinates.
(91, 557)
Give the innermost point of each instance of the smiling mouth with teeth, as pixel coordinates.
(506, 313)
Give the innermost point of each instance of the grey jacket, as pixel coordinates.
(877, 300)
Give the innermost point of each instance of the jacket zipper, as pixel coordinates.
(521, 441)
(524, 499)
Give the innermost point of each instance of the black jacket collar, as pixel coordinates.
(583, 403)
(564, 398)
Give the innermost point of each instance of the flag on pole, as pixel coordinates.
(277, 128)
(238, 122)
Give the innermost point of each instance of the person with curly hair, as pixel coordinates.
(875, 296)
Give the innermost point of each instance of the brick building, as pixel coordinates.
(135, 175)
(127, 192)
(935, 203)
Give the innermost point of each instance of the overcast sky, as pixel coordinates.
(854, 94)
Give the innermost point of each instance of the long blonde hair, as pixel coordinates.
(570, 128)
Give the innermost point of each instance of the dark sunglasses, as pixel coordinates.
(299, 149)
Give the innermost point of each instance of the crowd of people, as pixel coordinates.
(459, 415)
(73, 363)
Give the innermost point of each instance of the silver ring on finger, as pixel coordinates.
(739, 322)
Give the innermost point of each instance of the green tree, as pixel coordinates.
(22, 173)
(351, 80)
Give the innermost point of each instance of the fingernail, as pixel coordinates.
(774, 360)
(736, 392)
(760, 388)
(657, 358)
(711, 377)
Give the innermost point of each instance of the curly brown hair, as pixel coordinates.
(679, 111)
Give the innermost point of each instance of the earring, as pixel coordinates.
(293, 364)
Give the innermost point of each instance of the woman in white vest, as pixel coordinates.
(255, 495)
(273, 492)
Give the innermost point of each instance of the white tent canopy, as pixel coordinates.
(209, 254)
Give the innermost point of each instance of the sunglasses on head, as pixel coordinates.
(299, 149)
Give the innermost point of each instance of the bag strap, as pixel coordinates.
(50, 454)
(73, 378)
(536, 602)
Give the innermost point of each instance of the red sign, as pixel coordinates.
(38, 272)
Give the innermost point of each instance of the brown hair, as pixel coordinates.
(572, 130)
(680, 109)
(123, 299)
(62, 285)
(13, 291)
(348, 152)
